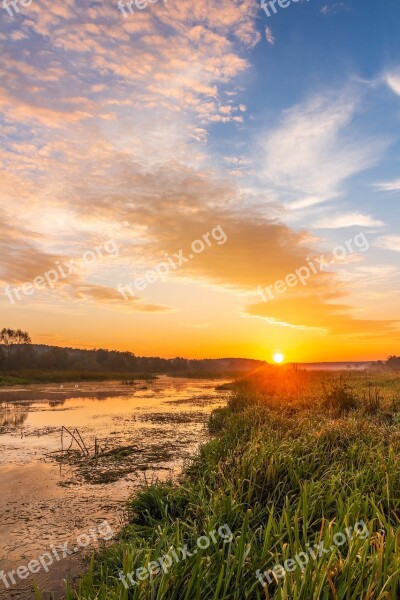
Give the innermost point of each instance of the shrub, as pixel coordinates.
(340, 398)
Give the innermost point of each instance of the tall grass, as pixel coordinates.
(284, 471)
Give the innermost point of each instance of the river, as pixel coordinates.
(143, 432)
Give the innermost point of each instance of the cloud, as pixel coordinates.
(348, 220)
(388, 186)
(334, 8)
(134, 61)
(269, 36)
(308, 157)
(106, 295)
(388, 242)
(172, 205)
(321, 314)
(392, 79)
(258, 250)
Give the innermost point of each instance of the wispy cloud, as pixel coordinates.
(348, 220)
(309, 156)
(334, 8)
(312, 311)
(269, 36)
(392, 79)
(388, 242)
(388, 186)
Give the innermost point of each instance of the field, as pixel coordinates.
(298, 495)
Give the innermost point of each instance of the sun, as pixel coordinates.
(278, 358)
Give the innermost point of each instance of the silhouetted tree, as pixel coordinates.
(393, 363)
(10, 338)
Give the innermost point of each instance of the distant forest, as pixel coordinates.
(18, 353)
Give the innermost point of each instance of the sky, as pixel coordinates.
(200, 179)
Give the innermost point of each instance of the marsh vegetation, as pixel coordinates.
(297, 457)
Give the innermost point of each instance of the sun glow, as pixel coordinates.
(278, 358)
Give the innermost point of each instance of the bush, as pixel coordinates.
(340, 398)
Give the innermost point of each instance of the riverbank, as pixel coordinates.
(27, 377)
(300, 462)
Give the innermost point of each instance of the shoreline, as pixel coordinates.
(123, 377)
(27, 378)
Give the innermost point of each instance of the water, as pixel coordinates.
(144, 432)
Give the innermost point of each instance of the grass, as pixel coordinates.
(297, 458)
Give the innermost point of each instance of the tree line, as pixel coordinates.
(18, 353)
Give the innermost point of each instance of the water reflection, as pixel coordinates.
(143, 432)
(12, 416)
(56, 402)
